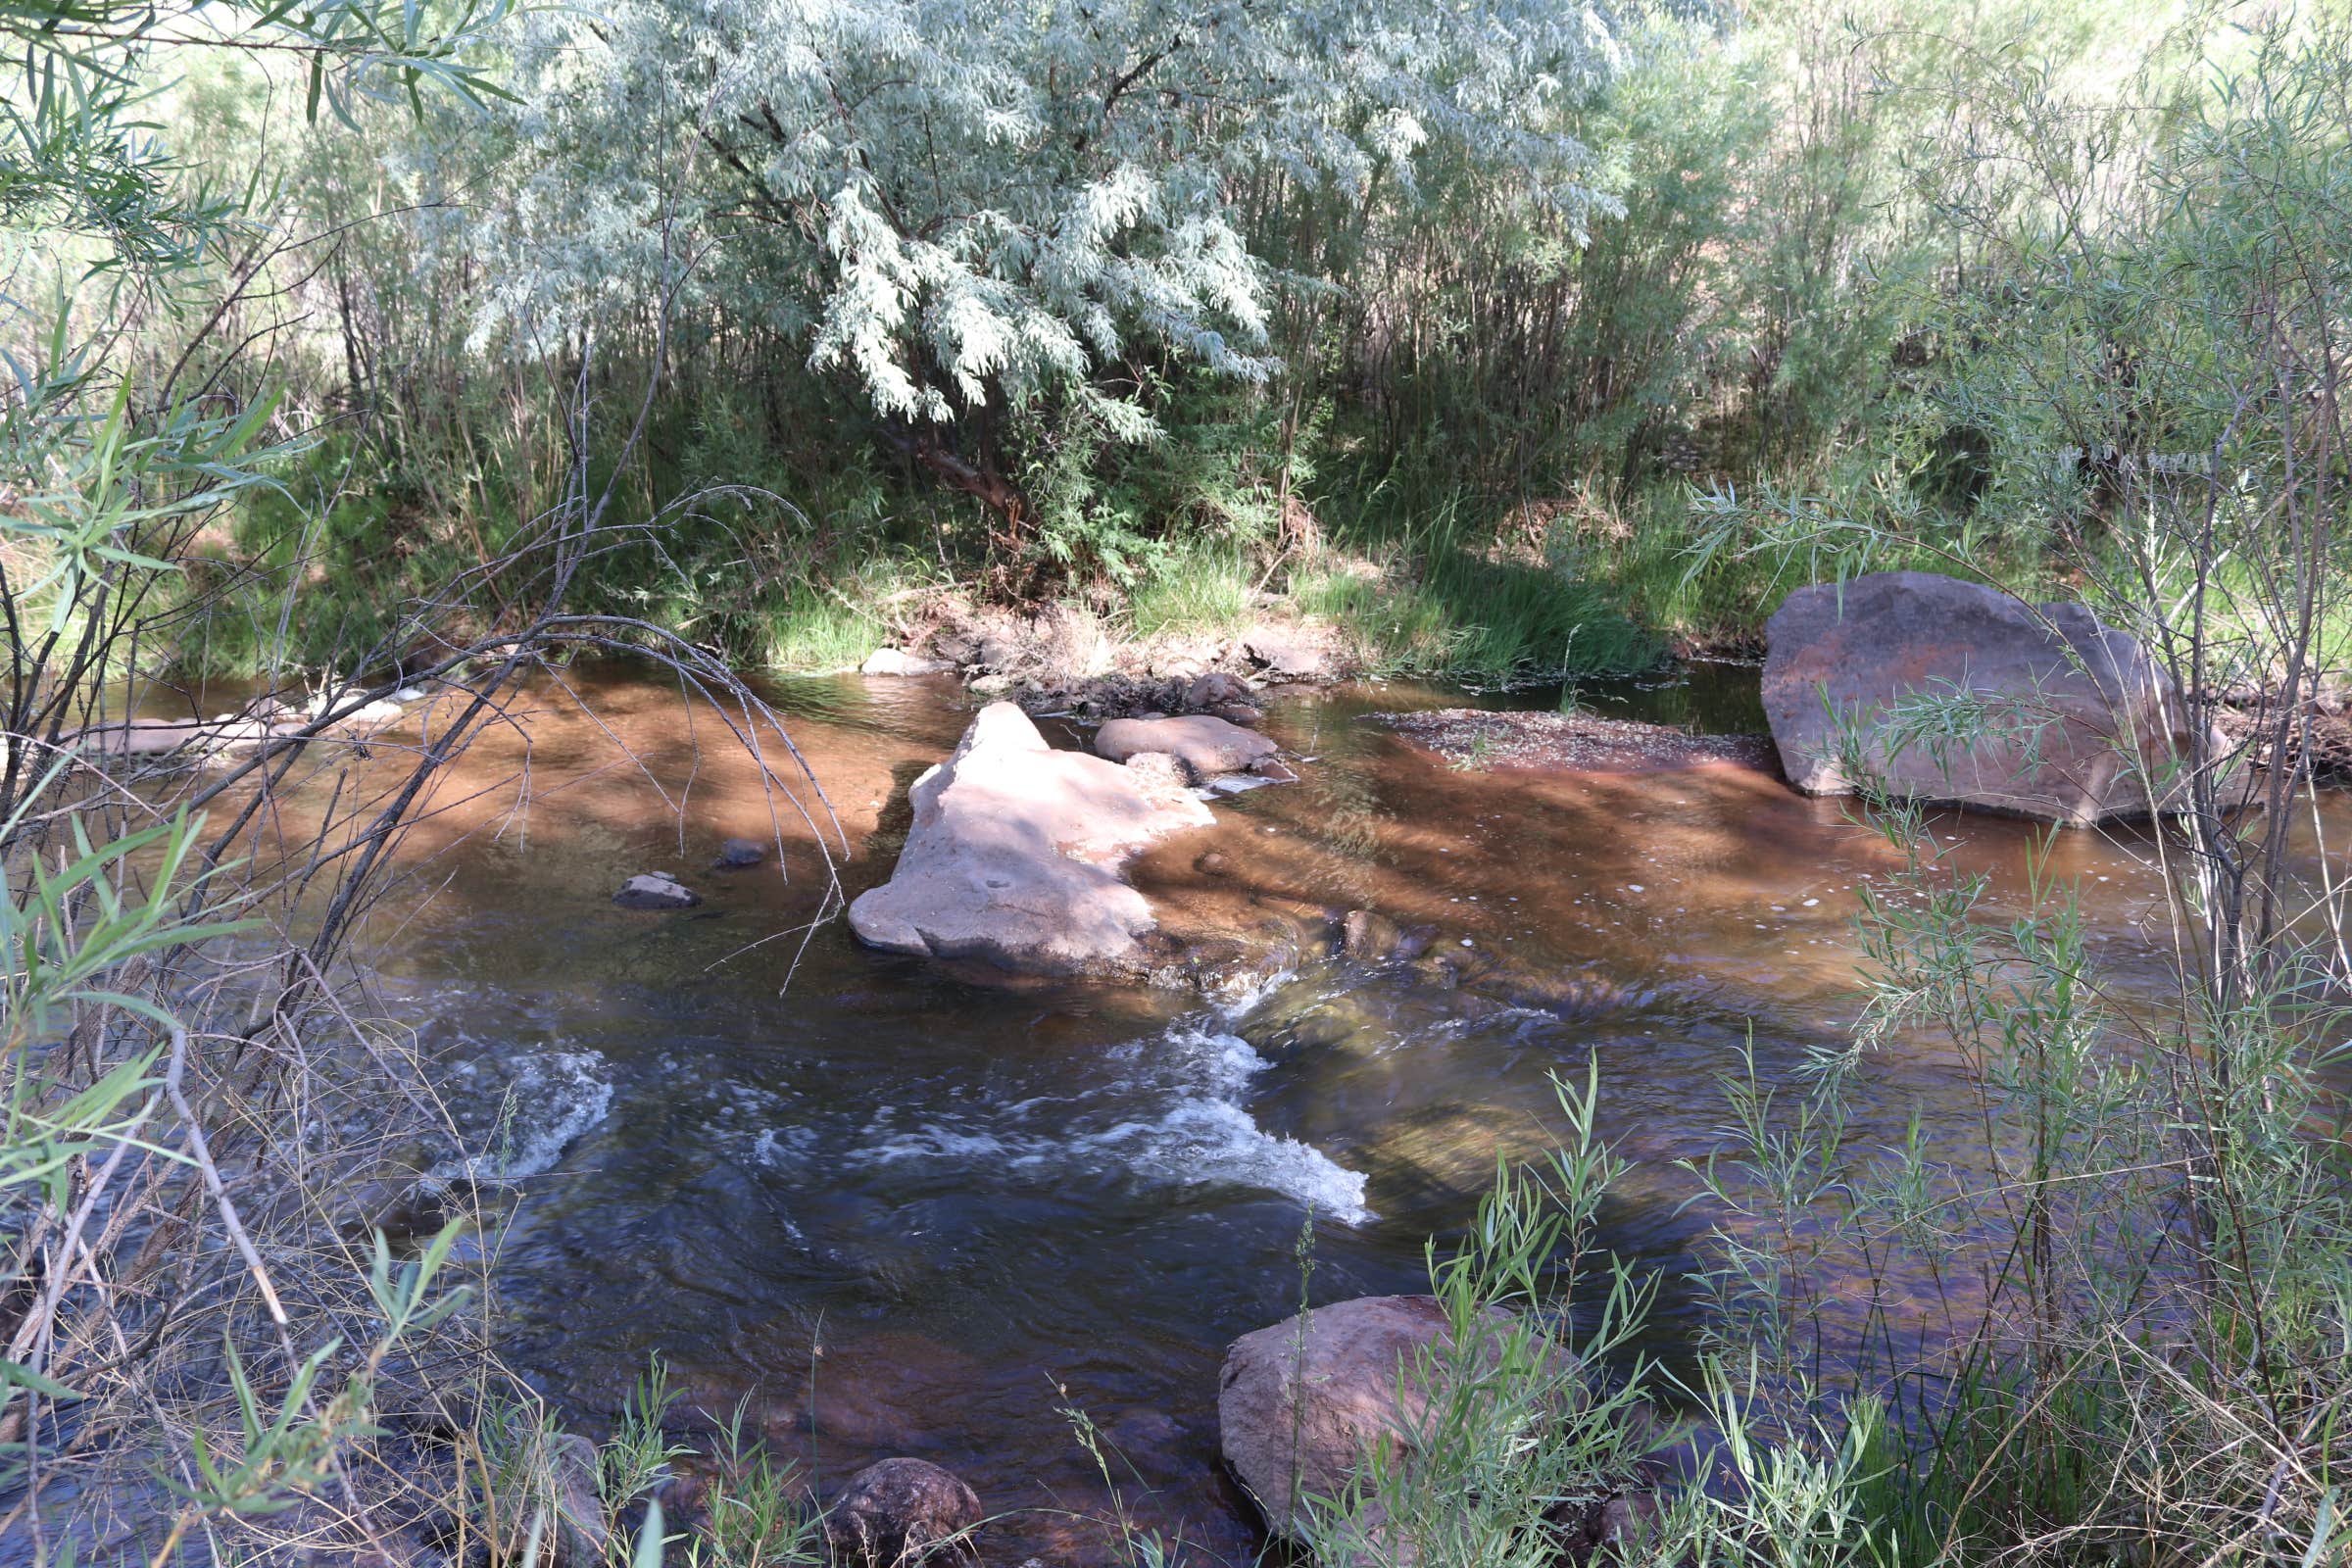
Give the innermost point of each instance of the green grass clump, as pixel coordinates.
(1210, 588)
(1452, 602)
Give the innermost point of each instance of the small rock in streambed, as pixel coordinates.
(1245, 714)
(898, 1512)
(1213, 863)
(739, 855)
(656, 890)
(1206, 746)
(1214, 690)
(1414, 939)
(1236, 783)
(1368, 934)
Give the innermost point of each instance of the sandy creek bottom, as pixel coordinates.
(889, 1211)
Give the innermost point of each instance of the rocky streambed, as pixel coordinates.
(895, 1202)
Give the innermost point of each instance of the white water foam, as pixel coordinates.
(555, 1096)
(1188, 1084)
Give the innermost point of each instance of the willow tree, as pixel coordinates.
(966, 213)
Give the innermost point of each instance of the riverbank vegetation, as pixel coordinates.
(358, 345)
(1416, 330)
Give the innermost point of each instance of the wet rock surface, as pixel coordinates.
(1218, 689)
(2081, 724)
(1014, 856)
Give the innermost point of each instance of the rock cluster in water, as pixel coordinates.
(2066, 719)
(1065, 658)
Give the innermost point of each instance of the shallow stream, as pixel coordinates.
(887, 1211)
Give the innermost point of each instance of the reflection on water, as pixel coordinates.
(886, 1211)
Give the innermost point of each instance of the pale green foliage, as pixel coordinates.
(959, 204)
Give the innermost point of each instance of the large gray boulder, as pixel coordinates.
(1302, 1405)
(1015, 852)
(2078, 724)
(1205, 744)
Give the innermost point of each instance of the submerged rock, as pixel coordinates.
(656, 890)
(900, 1512)
(1206, 746)
(369, 717)
(1014, 855)
(2078, 724)
(1302, 1405)
(739, 855)
(142, 737)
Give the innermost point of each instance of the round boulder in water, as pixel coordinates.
(656, 890)
(2071, 720)
(900, 1512)
(1302, 1407)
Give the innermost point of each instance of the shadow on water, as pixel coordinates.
(887, 1211)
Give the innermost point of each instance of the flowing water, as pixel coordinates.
(884, 1211)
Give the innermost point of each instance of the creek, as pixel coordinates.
(882, 1209)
